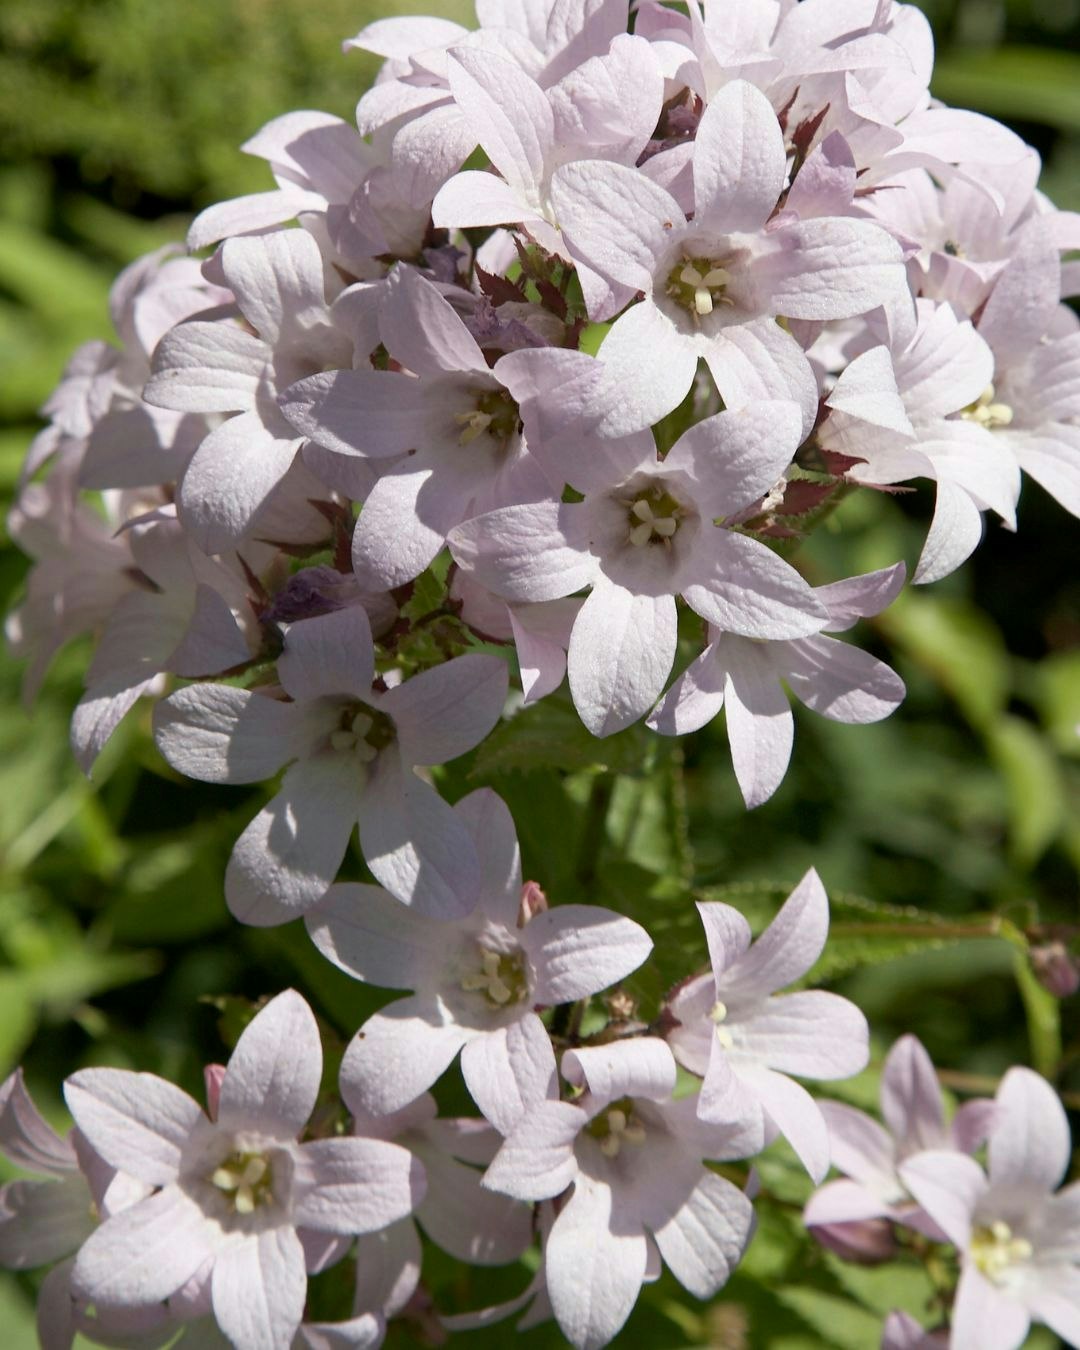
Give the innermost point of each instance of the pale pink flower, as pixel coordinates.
(634, 1158)
(234, 1198)
(870, 1156)
(476, 982)
(352, 749)
(604, 111)
(452, 414)
(189, 615)
(222, 366)
(922, 410)
(1019, 1241)
(706, 279)
(318, 161)
(644, 534)
(456, 1213)
(735, 1032)
(747, 676)
(902, 1332)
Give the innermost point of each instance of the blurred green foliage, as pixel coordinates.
(948, 836)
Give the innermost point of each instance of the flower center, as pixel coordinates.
(495, 414)
(653, 517)
(994, 1250)
(500, 978)
(988, 413)
(699, 285)
(362, 732)
(717, 1016)
(246, 1178)
(616, 1126)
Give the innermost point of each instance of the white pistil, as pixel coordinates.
(622, 1129)
(488, 980)
(242, 1182)
(994, 1250)
(353, 737)
(663, 527)
(717, 1015)
(987, 412)
(473, 425)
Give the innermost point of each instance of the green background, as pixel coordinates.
(946, 836)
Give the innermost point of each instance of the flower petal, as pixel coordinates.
(272, 1078)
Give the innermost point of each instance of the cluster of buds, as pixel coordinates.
(714, 273)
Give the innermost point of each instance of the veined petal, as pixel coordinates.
(787, 949)
(704, 1239)
(745, 588)
(415, 844)
(442, 713)
(615, 219)
(594, 1275)
(533, 552)
(272, 1078)
(355, 1186)
(144, 1254)
(289, 855)
(230, 478)
(138, 1122)
(507, 113)
(220, 734)
(577, 950)
(739, 160)
(327, 655)
(760, 727)
(207, 367)
(510, 1071)
(258, 1289)
(373, 937)
(397, 1054)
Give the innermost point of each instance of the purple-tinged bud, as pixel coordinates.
(1056, 969)
(213, 1077)
(870, 1242)
(533, 902)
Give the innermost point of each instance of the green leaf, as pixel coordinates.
(958, 646)
(550, 735)
(842, 1324)
(1035, 786)
(1032, 84)
(900, 1284)
(1057, 697)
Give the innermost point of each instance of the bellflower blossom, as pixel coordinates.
(1019, 1240)
(233, 1197)
(476, 981)
(732, 1029)
(354, 748)
(870, 1156)
(634, 1158)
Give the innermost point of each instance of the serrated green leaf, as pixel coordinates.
(550, 735)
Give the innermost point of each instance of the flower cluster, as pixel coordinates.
(408, 426)
(1017, 1236)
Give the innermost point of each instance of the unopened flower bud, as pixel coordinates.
(213, 1077)
(533, 902)
(870, 1242)
(1056, 969)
